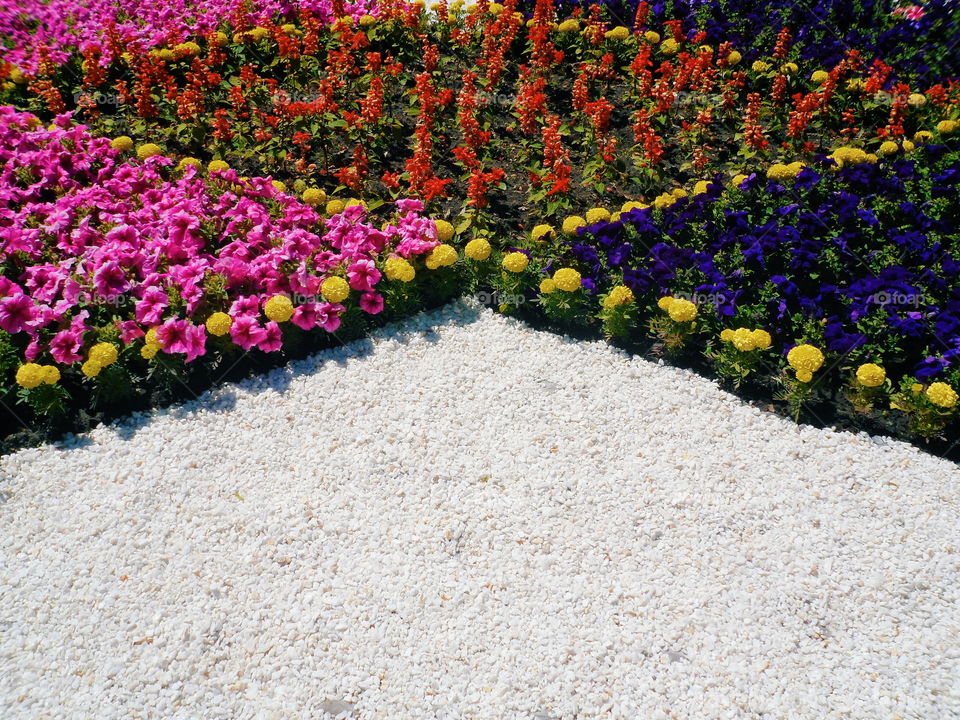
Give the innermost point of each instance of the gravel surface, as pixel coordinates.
(466, 518)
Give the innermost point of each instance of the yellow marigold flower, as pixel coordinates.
(620, 295)
(495, 8)
(743, 340)
(29, 375)
(805, 357)
(922, 136)
(596, 215)
(871, 158)
(871, 375)
(568, 26)
(314, 197)
(762, 339)
(669, 46)
(151, 337)
(547, 286)
(516, 262)
(855, 84)
(103, 354)
(705, 49)
(795, 167)
(187, 162)
(819, 77)
(279, 308)
(917, 100)
(572, 224)
(397, 268)
(633, 205)
(259, 33)
(916, 388)
(17, 76)
(908, 146)
(665, 302)
(887, 148)
(738, 180)
(217, 165)
(947, 127)
(789, 68)
(618, 33)
(942, 395)
(50, 374)
(335, 207)
(651, 37)
(681, 310)
(540, 232)
(478, 249)
(219, 324)
(367, 20)
(441, 256)
(335, 289)
(149, 351)
(664, 200)
(678, 192)
(289, 28)
(148, 150)
(779, 172)
(279, 186)
(123, 143)
(804, 376)
(166, 54)
(760, 66)
(218, 39)
(567, 279)
(91, 368)
(444, 230)
(702, 187)
(734, 58)
(726, 335)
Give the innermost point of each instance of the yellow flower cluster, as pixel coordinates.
(478, 249)
(759, 66)
(620, 295)
(917, 100)
(746, 340)
(540, 232)
(567, 279)
(947, 127)
(572, 224)
(569, 25)
(669, 47)
(819, 77)
(789, 68)
(444, 230)
(148, 150)
(187, 162)
(942, 395)
(547, 286)
(515, 262)
(734, 58)
(618, 33)
(922, 136)
(784, 173)
(30, 375)
(219, 324)
(442, 255)
(651, 37)
(595, 215)
(702, 187)
(888, 147)
(396, 268)
(679, 309)
(871, 375)
(314, 197)
(335, 289)
(851, 156)
(334, 207)
(279, 308)
(122, 142)
(805, 360)
(100, 356)
(217, 165)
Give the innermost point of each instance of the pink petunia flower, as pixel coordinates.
(371, 302)
(363, 275)
(17, 312)
(246, 331)
(273, 339)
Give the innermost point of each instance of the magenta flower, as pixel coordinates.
(16, 313)
(181, 336)
(273, 339)
(371, 302)
(149, 309)
(65, 346)
(129, 331)
(328, 316)
(363, 275)
(246, 332)
(109, 280)
(306, 316)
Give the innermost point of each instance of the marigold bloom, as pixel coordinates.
(516, 262)
(314, 197)
(620, 295)
(567, 279)
(91, 368)
(871, 375)
(478, 249)
(103, 354)
(335, 289)
(598, 214)
(445, 230)
(29, 375)
(572, 224)
(942, 395)
(805, 357)
(148, 150)
(547, 286)
(540, 232)
(279, 308)
(399, 269)
(442, 255)
(122, 143)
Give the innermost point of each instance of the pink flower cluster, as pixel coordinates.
(87, 240)
(62, 26)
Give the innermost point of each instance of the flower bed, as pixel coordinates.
(783, 210)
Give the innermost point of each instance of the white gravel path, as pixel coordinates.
(466, 518)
